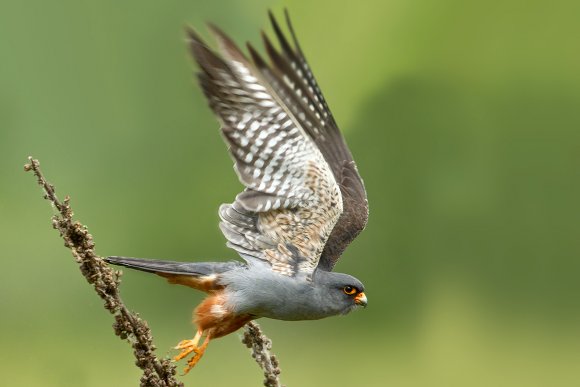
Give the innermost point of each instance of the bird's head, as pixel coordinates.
(343, 291)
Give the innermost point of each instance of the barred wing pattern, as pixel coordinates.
(292, 201)
(290, 76)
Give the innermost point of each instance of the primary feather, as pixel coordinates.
(291, 201)
(290, 75)
(299, 175)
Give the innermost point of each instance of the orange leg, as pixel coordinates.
(198, 354)
(188, 346)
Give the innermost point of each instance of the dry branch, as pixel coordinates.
(106, 282)
(260, 345)
(128, 325)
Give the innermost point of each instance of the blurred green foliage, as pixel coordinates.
(464, 119)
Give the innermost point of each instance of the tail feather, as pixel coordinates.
(157, 266)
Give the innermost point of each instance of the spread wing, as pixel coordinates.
(292, 200)
(290, 76)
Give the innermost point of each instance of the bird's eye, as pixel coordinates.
(350, 290)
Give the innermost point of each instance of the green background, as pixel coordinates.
(464, 118)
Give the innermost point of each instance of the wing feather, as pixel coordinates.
(290, 76)
(291, 201)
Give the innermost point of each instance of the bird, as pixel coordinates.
(303, 200)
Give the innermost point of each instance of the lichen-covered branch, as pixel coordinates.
(128, 325)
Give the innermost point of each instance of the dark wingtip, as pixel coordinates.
(284, 44)
(256, 58)
(215, 29)
(287, 17)
(271, 17)
(222, 38)
(193, 38)
(205, 57)
(291, 29)
(227, 46)
(191, 33)
(267, 43)
(196, 44)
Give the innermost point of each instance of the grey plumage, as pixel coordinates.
(257, 290)
(174, 267)
(264, 293)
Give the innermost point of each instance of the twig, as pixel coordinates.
(261, 346)
(128, 325)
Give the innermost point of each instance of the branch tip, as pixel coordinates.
(105, 281)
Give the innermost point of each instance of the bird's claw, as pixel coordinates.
(193, 361)
(187, 347)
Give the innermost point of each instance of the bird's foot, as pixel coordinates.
(198, 354)
(189, 346)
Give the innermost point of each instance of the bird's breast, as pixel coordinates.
(276, 296)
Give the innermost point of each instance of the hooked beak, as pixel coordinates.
(361, 299)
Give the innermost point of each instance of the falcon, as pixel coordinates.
(304, 201)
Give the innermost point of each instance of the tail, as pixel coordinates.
(158, 266)
(198, 275)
